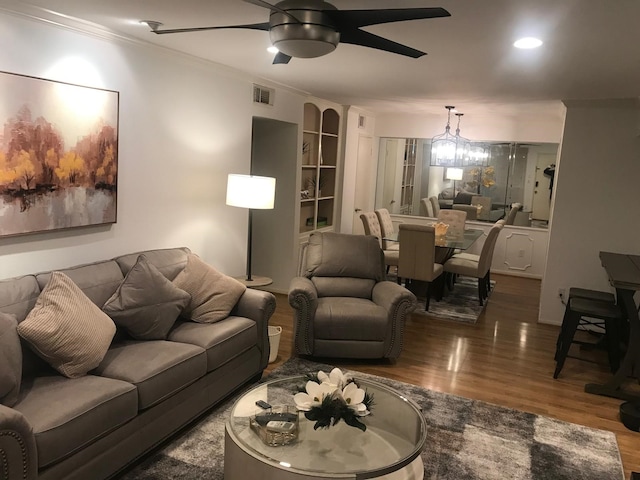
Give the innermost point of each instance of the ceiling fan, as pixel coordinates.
(312, 28)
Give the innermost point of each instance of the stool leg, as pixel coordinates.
(563, 327)
(573, 319)
(612, 336)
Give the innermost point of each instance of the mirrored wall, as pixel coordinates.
(513, 173)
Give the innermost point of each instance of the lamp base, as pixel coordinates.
(256, 281)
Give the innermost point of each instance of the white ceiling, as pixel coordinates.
(591, 50)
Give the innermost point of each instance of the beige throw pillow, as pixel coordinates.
(146, 304)
(213, 294)
(66, 328)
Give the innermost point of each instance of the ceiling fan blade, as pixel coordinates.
(362, 18)
(274, 8)
(366, 39)
(252, 26)
(281, 58)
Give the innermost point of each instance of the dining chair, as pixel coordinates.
(435, 204)
(486, 204)
(480, 268)
(417, 257)
(454, 218)
(511, 216)
(387, 228)
(372, 227)
(472, 210)
(427, 208)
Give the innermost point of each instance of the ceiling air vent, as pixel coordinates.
(262, 95)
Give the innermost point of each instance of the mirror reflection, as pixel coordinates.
(514, 174)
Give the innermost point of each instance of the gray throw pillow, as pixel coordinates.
(146, 304)
(66, 328)
(213, 294)
(10, 360)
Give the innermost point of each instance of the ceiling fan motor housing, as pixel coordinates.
(313, 34)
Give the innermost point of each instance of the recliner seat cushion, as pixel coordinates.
(157, 368)
(68, 414)
(345, 318)
(223, 340)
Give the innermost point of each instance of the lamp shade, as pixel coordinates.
(251, 191)
(454, 173)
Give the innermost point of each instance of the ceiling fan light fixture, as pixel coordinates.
(304, 41)
(527, 43)
(272, 49)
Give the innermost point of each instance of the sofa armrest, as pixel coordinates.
(17, 446)
(303, 297)
(258, 306)
(399, 302)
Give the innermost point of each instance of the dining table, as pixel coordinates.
(623, 271)
(447, 244)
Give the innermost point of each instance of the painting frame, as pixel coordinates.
(59, 147)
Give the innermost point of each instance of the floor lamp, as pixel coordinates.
(255, 193)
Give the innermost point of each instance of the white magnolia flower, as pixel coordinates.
(313, 397)
(336, 378)
(353, 397)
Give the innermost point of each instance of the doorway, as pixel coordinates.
(542, 190)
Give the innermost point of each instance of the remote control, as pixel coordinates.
(263, 404)
(280, 427)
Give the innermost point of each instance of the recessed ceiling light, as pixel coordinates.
(272, 49)
(527, 42)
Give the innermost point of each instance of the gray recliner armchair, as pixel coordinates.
(343, 305)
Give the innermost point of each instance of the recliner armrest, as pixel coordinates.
(258, 306)
(17, 445)
(303, 297)
(399, 302)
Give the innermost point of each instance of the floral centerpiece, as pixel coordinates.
(327, 399)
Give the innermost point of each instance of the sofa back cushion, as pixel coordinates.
(10, 360)
(170, 261)
(18, 295)
(344, 287)
(98, 280)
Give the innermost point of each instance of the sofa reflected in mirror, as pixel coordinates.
(514, 173)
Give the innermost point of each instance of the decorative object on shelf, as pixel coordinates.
(327, 399)
(311, 185)
(252, 192)
(306, 150)
(322, 222)
(305, 195)
(59, 156)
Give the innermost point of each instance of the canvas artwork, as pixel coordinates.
(58, 155)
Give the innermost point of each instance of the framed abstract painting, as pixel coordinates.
(58, 155)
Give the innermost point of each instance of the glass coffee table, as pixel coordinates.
(389, 448)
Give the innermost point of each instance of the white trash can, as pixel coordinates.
(274, 342)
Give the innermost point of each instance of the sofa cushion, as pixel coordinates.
(345, 318)
(223, 340)
(156, 367)
(146, 304)
(68, 414)
(66, 328)
(213, 294)
(10, 360)
(170, 261)
(19, 295)
(344, 286)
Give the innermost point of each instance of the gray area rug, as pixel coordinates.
(467, 439)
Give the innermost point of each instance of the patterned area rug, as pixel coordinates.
(458, 305)
(467, 439)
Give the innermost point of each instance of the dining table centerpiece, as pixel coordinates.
(328, 398)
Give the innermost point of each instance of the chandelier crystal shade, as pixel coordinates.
(448, 150)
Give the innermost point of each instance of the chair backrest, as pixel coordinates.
(472, 210)
(435, 204)
(386, 226)
(511, 217)
(486, 254)
(427, 207)
(372, 225)
(454, 218)
(417, 252)
(486, 204)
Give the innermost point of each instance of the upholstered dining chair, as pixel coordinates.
(435, 204)
(472, 210)
(343, 306)
(417, 257)
(511, 216)
(372, 227)
(387, 228)
(454, 218)
(427, 207)
(466, 266)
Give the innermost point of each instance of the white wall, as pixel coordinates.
(595, 200)
(184, 125)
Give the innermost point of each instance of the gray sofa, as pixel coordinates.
(93, 426)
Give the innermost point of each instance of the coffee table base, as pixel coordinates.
(240, 465)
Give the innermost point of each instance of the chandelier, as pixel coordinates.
(448, 150)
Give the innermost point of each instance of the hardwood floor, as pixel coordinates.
(506, 358)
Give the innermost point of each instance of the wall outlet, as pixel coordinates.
(561, 292)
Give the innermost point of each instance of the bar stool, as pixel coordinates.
(590, 308)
